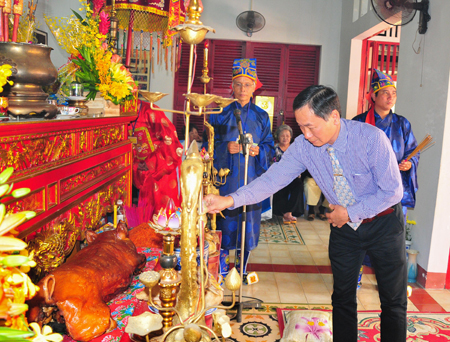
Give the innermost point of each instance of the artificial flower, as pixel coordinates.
(5, 72)
(92, 63)
(47, 335)
(104, 23)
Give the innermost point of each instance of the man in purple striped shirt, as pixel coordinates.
(372, 224)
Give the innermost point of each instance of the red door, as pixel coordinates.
(376, 55)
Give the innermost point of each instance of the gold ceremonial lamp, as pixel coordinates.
(192, 32)
(186, 310)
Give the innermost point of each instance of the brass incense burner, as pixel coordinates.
(34, 70)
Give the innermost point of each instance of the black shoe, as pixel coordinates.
(310, 217)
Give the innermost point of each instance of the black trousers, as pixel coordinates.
(384, 241)
(289, 199)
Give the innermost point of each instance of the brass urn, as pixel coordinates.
(34, 70)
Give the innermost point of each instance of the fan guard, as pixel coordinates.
(402, 12)
(250, 22)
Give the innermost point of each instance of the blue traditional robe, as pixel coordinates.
(255, 121)
(398, 130)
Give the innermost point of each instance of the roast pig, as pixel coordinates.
(81, 287)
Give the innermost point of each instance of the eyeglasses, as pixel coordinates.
(245, 85)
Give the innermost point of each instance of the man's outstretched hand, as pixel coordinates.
(214, 204)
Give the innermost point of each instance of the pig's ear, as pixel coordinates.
(122, 231)
(90, 236)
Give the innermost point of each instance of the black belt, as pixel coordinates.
(383, 213)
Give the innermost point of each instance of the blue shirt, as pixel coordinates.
(367, 160)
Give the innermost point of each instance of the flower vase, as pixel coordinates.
(412, 265)
(408, 246)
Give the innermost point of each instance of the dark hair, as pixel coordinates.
(321, 100)
(192, 126)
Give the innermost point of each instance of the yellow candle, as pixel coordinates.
(115, 216)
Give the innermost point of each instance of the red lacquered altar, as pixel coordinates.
(76, 169)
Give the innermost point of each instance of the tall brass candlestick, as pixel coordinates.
(191, 181)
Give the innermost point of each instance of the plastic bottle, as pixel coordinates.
(120, 211)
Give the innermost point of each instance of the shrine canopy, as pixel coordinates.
(150, 15)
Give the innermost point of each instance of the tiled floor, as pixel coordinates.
(302, 274)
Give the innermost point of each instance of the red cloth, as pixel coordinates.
(156, 157)
(370, 118)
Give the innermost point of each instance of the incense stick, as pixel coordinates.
(425, 144)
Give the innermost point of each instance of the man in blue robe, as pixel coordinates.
(398, 130)
(227, 154)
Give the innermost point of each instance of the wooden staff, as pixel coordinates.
(6, 13)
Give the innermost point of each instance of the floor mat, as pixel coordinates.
(274, 231)
(423, 327)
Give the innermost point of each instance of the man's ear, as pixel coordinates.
(335, 116)
(373, 96)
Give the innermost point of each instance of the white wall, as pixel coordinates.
(423, 97)
(293, 22)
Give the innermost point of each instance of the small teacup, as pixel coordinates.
(69, 110)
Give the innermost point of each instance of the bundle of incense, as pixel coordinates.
(140, 53)
(145, 61)
(157, 46)
(152, 62)
(425, 144)
(6, 13)
(151, 47)
(17, 11)
(166, 56)
(136, 61)
(162, 49)
(179, 46)
(172, 54)
(124, 41)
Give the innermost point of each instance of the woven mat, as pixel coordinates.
(273, 231)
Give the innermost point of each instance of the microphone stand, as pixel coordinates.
(246, 142)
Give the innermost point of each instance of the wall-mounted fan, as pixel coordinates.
(401, 12)
(250, 22)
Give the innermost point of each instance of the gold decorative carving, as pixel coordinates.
(32, 202)
(107, 136)
(83, 141)
(50, 247)
(88, 175)
(33, 152)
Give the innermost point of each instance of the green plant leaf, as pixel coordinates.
(14, 260)
(8, 332)
(80, 18)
